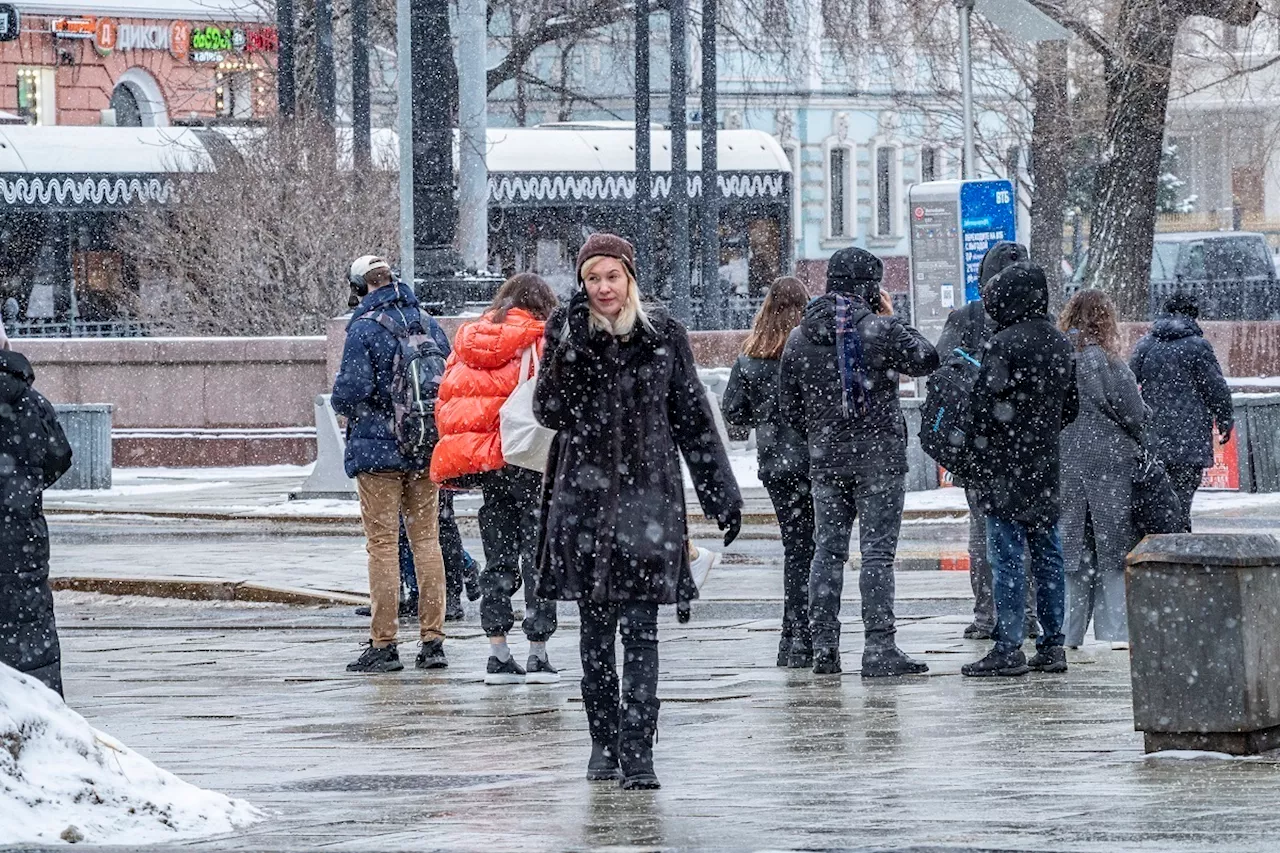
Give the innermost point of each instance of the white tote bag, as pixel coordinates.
(525, 442)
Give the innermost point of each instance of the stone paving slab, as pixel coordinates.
(254, 701)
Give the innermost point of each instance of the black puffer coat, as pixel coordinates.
(613, 514)
(34, 453)
(873, 445)
(1182, 383)
(1024, 396)
(751, 400)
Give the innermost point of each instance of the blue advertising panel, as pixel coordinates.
(987, 216)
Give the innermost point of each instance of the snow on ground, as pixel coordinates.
(130, 476)
(56, 772)
(69, 599)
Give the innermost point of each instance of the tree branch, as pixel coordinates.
(1078, 27)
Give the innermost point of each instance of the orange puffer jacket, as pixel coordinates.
(481, 373)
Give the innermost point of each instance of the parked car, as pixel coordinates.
(1232, 272)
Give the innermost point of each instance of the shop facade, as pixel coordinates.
(136, 63)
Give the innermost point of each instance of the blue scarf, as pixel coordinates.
(850, 360)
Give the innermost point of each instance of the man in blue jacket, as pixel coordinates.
(389, 484)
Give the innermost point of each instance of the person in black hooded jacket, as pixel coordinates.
(34, 453)
(1024, 396)
(1182, 383)
(839, 385)
(970, 329)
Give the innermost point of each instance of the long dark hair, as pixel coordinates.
(781, 312)
(527, 291)
(1090, 318)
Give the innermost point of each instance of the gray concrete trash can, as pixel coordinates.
(88, 428)
(1258, 440)
(1204, 634)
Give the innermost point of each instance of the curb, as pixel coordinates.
(199, 589)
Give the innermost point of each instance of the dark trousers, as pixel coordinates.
(792, 497)
(455, 557)
(626, 711)
(1006, 543)
(837, 503)
(1185, 481)
(509, 533)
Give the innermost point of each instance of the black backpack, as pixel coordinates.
(944, 418)
(416, 371)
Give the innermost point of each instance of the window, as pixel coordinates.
(774, 17)
(1164, 261)
(1013, 163)
(875, 18)
(838, 168)
(36, 99)
(233, 97)
(125, 106)
(792, 150)
(1230, 37)
(885, 185)
(1193, 262)
(928, 164)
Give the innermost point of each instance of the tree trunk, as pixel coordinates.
(1050, 140)
(1124, 213)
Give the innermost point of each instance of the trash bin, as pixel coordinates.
(1258, 422)
(922, 471)
(88, 428)
(1204, 634)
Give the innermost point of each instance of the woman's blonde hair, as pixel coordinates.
(782, 310)
(632, 310)
(1090, 318)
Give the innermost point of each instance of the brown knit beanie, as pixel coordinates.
(607, 246)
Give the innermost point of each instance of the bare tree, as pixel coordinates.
(260, 246)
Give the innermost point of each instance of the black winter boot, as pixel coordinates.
(603, 765)
(453, 611)
(801, 653)
(889, 661)
(639, 730)
(997, 663)
(1049, 659)
(784, 651)
(826, 662)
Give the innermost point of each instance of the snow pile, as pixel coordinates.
(60, 779)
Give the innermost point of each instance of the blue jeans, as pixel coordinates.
(877, 506)
(1006, 541)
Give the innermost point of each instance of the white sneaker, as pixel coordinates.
(1119, 647)
(703, 564)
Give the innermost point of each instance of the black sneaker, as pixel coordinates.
(683, 612)
(603, 765)
(997, 663)
(539, 671)
(977, 632)
(431, 656)
(886, 663)
(373, 659)
(364, 611)
(826, 662)
(1033, 627)
(1049, 659)
(453, 611)
(503, 672)
(408, 608)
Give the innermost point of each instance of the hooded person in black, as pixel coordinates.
(838, 384)
(1182, 383)
(969, 328)
(34, 453)
(1024, 395)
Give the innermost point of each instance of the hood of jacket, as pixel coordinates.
(16, 376)
(819, 322)
(1175, 327)
(1017, 294)
(486, 345)
(396, 295)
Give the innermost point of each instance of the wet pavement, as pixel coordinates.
(254, 701)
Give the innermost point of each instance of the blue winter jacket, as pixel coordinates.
(362, 391)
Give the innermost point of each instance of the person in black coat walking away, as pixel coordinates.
(1182, 383)
(839, 386)
(34, 453)
(751, 400)
(1024, 396)
(621, 388)
(970, 329)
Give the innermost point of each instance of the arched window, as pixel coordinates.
(138, 101)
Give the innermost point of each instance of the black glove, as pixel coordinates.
(1226, 434)
(580, 319)
(730, 522)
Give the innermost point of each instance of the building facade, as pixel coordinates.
(137, 62)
